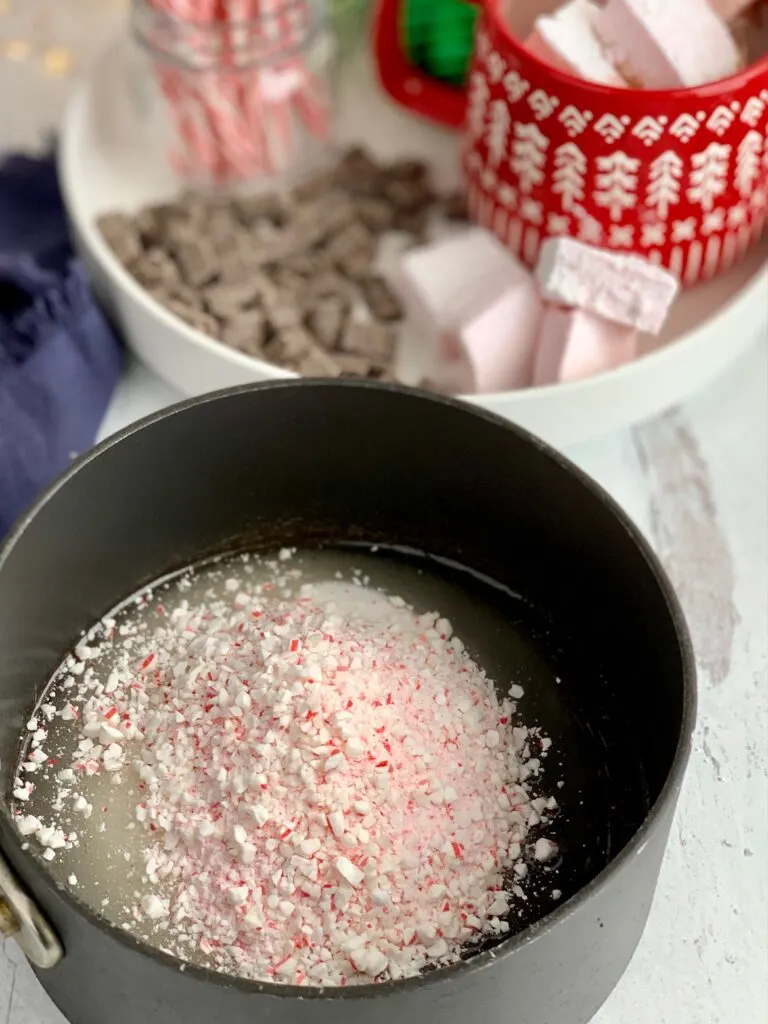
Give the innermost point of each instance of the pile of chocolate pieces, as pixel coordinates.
(287, 277)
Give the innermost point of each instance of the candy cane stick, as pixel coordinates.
(192, 124)
(280, 82)
(246, 14)
(313, 105)
(237, 141)
(231, 121)
(257, 122)
(193, 148)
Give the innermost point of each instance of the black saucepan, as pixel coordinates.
(353, 462)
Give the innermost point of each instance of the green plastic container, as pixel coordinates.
(438, 37)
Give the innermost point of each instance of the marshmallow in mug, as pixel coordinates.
(667, 44)
(566, 39)
(574, 344)
(620, 287)
(481, 307)
(730, 9)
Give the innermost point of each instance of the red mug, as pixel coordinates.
(678, 176)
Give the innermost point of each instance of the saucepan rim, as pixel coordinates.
(508, 947)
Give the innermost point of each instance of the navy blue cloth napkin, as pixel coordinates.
(59, 359)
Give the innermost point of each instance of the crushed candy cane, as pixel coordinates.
(330, 793)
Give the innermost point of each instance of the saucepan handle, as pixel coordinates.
(22, 920)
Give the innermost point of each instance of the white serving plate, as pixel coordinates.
(103, 167)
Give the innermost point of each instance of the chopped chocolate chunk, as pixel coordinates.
(454, 206)
(197, 262)
(409, 196)
(241, 262)
(226, 300)
(282, 309)
(122, 236)
(352, 239)
(264, 206)
(246, 332)
(359, 173)
(380, 299)
(178, 231)
(357, 265)
(156, 269)
(287, 280)
(328, 318)
(409, 169)
(374, 341)
(305, 264)
(316, 186)
(193, 207)
(377, 214)
(266, 234)
(328, 282)
(318, 363)
(355, 156)
(152, 221)
(222, 229)
(415, 223)
(189, 296)
(358, 366)
(289, 345)
(196, 318)
(149, 226)
(316, 222)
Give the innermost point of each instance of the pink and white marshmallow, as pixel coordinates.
(619, 287)
(566, 39)
(480, 306)
(667, 44)
(444, 283)
(574, 344)
(494, 350)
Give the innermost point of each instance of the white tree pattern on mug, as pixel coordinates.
(529, 155)
(616, 183)
(709, 177)
(690, 164)
(748, 159)
(568, 177)
(665, 175)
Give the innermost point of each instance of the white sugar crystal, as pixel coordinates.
(544, 850)
(154, 907)
(348, 871)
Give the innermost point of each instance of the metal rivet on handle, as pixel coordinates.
(8, 923)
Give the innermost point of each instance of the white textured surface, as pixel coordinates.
(696, 481)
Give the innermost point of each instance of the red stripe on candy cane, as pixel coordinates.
(232, 122)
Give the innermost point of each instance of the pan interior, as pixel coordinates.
(591, 768)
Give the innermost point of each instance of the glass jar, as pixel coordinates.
(235, 91)
(351, 19)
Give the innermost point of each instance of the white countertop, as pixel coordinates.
(696, 481)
